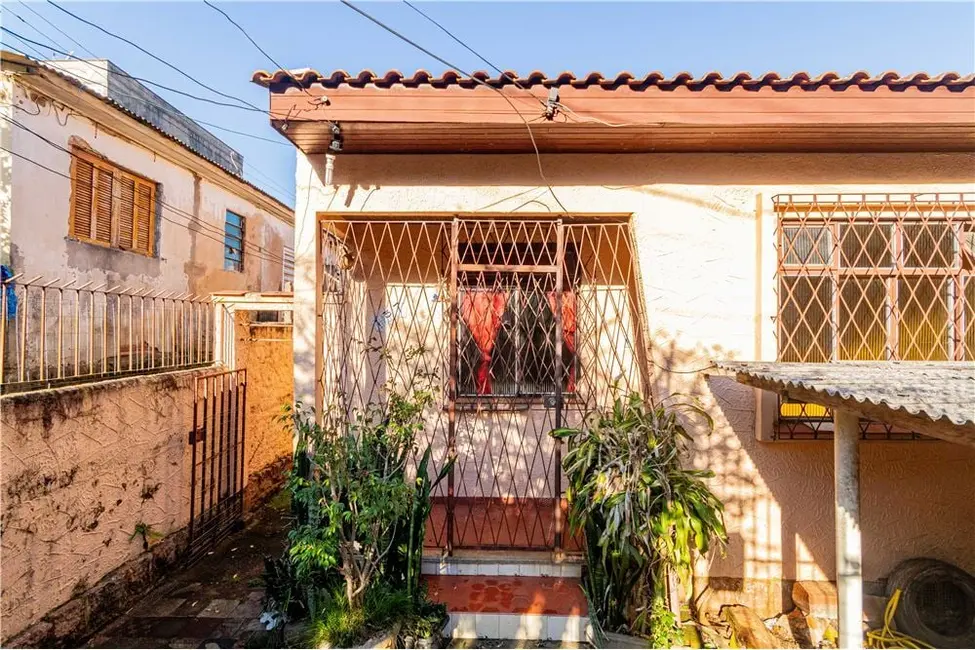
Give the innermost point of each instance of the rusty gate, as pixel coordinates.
(521, 326)
(217, 466)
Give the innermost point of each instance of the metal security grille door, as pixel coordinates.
(217, 440)
(519, 325)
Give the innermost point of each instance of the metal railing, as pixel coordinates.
(55, 332)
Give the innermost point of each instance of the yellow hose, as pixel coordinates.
(887, 637)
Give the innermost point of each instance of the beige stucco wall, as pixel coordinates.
(81, 466)
(704, 225)
(185, 261)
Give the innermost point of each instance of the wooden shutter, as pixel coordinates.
(126, 217)
(81, 198)
(143, 210)
(102, 212)
(110, 205)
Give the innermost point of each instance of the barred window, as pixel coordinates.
(111, 206)
(233, 242)
(507, 329)
(872, 277)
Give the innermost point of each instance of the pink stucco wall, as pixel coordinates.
(704, 225)
(81, 466)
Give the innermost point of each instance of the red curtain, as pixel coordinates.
(482, 312)
(568, 330)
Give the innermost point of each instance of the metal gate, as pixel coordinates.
(522, 326)
(217, 467)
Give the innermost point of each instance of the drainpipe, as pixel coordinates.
(849, 575)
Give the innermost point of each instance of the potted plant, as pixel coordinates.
(643, 512)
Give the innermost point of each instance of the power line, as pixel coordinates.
(202, 227)
(129, 76)
(531, 135)
(471, 50)
(62, 32)
(153, 56)
(259, 48)
(162, 107)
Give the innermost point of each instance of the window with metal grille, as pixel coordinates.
(871, 277)
(508, 326)
(233, 242)
(111, 206)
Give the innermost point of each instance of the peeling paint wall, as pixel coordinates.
(82, 466)
(703, 225)
(188, 258)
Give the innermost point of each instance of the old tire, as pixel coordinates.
(937, 602)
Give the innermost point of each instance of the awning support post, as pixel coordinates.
(849, 574)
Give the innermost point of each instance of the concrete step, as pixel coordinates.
(526, 564)
(513, 607)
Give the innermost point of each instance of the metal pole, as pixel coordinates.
(557, 488)
(849, 576)
(452, 382)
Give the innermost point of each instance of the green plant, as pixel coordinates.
(419, 512)
(643, 513)
(144, 530)
(354, 491)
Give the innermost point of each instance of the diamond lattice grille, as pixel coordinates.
(872, 277)
(520, 325)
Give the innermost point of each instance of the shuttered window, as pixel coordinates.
(111, 206)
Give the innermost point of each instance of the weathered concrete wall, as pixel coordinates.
(82, 466)
(703, 225)
(264, 349)
(188, 258)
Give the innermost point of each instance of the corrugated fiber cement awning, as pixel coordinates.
(933, 398)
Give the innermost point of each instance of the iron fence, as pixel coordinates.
(55, 332)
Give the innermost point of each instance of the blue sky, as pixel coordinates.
(550, 36)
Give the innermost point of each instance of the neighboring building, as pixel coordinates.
(548, 245)
(106, 182)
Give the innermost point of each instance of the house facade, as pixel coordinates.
(108, 184)
(539, 246)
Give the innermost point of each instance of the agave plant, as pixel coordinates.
(642, 511)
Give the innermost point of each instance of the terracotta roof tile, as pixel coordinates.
(831, 80)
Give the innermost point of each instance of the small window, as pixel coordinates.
(233, 243)
(288, 268)
(111, 206)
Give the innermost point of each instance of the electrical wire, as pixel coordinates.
(128, 76)
(507, 76)
(531, 135)
(165, 108)
(472, 51)
(153, 56)
(58, 29)
(259, 48)
(201, 226)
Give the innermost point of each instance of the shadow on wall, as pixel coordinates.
(915, 497)
(631, 171)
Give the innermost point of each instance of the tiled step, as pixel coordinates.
(511, 607)
(515, 564)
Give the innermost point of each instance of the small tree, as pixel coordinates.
(354, 492)
(643, 513)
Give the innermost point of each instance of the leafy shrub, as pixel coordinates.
(643, 513)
